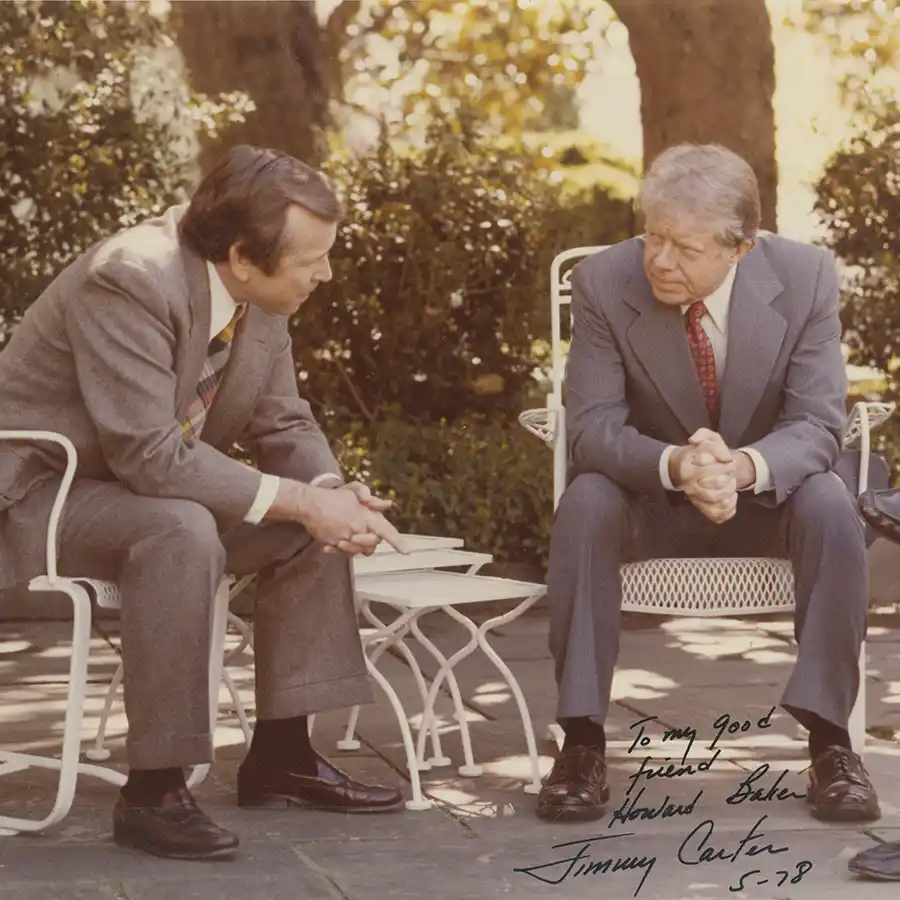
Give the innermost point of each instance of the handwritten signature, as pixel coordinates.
(698, 848)
(701, 846)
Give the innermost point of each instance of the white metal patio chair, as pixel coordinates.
(80, 591)
(688, 587)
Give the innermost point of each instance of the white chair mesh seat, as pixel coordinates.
(708, 587)
(106, 593)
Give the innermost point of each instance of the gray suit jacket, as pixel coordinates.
(632, 387)
(110, 355)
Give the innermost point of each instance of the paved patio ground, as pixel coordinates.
(481, 840)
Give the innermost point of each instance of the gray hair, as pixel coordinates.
(707, 181)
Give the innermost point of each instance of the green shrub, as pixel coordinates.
(440, 287)
(859, 202)
(99, 130)
(490, 483)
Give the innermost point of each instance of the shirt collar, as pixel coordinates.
(718, 301)
(222, 305)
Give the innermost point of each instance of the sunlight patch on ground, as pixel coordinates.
(515, 767)
(641, 684)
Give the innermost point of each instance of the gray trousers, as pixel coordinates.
(168, 557)
(600, 525)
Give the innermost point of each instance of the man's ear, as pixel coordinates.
(239, 264)
(744, 249)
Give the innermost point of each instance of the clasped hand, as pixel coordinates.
(707, 472)
(348, 519)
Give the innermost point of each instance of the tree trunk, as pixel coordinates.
(707, 75)
(274, 52)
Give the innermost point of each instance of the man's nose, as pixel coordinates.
(664, 259)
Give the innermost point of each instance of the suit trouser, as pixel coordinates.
(167, 557)
(600, 525)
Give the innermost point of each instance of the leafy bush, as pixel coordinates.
(440, 287)
(99, 131)
(488, 482)
(859, 201)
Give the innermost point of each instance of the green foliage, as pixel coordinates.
(100, 130)
(440, 286)
(488, 482)
(865, 38)
(518, 62)
(859, 202)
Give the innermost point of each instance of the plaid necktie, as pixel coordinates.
(704, 359)
(216, 358)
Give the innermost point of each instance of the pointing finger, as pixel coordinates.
(380, 526)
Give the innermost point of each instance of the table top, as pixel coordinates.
(419, 542)
(420, 559)
(438, 588)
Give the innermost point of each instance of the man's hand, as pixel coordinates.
(365, 496)
(745, 469)
(706, 470)
(336, 517)
(360, 543)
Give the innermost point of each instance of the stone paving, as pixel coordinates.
(481, 840)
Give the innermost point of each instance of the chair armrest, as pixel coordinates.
(543, 423)
(61, 494)
(864, 417)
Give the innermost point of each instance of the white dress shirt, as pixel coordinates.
(222, 308)
(715, 324)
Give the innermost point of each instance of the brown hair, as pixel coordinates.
(244, 200)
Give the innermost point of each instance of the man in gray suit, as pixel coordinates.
(705, 410)
(155, 353)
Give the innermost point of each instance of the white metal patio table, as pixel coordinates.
(416, 594)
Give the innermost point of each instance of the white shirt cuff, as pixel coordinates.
(319, 480)
(265, 497)
(664, 469)
(763, 473)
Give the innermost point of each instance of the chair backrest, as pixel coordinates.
(560, 296)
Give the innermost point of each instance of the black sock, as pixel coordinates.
(823, 735)
(147, 787)
(284, 744)
(583, 732)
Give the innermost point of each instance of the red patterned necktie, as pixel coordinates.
(216, 358)
(704, 359)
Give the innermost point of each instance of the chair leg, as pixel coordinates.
(349, 741)
(238, 707)
(857, 725)
(67, 764)
(98, 752)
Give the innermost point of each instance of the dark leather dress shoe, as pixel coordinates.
(576, 789)
(880, 863)
(177, 829)
(329, 789)
(881, 510)
(839, 788)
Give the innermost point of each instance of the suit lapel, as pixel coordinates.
(755, 335)
(198, 342)
(659, 341)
